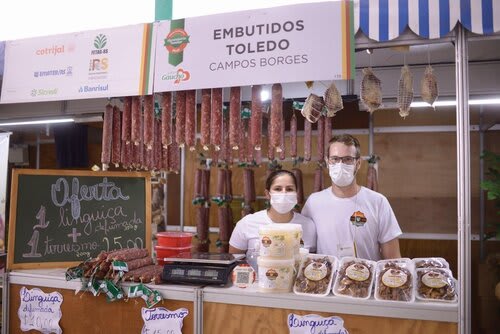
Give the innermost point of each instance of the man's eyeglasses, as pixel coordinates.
(348, 160)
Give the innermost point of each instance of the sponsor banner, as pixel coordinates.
(283, 44)
(90, 64)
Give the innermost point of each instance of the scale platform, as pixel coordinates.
(200, 268)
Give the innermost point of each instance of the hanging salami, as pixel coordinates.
(126, 154)
(116, 142)
(307, 140)
(180, 117)
(249, 146)
(149, 116)
(107, 136)
(270, 147)
(328, 134)
(256, 123)
(235, 118)
(300, 187)
(206, 102)
(141, 152)
(224, 228)
(242, 152)
(282, 140)
(126, 119)
(202, 228)
(157, 145)
(216, 119)
(318, 179)
(165, 159)
(276, 116)
(248, 186)
(174, 157)
(293, 135)
(191, 119)
(321, 138)
(166, 119)
(372, 182)
(135, 134)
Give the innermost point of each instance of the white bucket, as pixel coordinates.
(276, 275)
(280, 241)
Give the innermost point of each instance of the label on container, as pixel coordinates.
(315, 271)
(274, 246)
(434, 280)
(279, 278)
(358, 272)
(394, 278)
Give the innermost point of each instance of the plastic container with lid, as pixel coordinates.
(174, 239)
(355, 278)
(430, 262)
(280, 241)
(436, 285)
(275, 275)
(395, 280)
(315, 275)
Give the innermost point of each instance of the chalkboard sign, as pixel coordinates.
(59, 218)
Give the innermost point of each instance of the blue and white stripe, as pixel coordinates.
(384, 20)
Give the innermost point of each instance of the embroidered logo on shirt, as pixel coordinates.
(358, 219)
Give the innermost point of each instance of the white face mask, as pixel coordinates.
(341, 174)
(283, 202)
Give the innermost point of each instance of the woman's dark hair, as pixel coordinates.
(274, 174)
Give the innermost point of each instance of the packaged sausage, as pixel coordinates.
(394, 280)
(430, 262)
(436, 284)
(355, 278)
(315, 275)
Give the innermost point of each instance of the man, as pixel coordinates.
(351, 220)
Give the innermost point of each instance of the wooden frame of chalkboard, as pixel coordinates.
(59, 218)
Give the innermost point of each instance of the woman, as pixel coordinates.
(281, 191)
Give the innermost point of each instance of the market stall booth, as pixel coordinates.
(238, 60)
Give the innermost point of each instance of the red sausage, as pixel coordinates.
(180, 117)
(276, 116)
(117, 141)
(235, 118)
(248, 186)
(270, 147)
(174, 157)
(321, 138)
(166, 119)
(307, 140)
(318, 179)
(107, 137)
(206, 107)
(328, 133)
(135, 134)
(256, 123)
(282, 140)
(157, 145)
(216, 119)
(149, 117)
(165, 159)
(191, 119)
(293, 136)
(126, 119)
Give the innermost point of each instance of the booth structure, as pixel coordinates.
(379, 24)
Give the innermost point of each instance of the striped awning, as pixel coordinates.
(384, 20)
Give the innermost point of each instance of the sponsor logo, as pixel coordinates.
(54, 50)
(358, 219)
(176, 40)
(43, 92)
(99, 62)
(95, 88)
(68, 71)
(177, 76)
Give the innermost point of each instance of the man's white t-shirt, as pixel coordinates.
(246, 233)
(337, 235)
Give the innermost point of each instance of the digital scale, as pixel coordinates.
(200, 268)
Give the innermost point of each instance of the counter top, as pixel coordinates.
(446, 312)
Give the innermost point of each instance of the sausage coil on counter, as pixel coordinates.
(107, 137)
(235, 118)
(116, 141)
(256, 122)
(149, 116)
(166, 119)
(136, 119)
(276, 116)
(191, 119)
(180, 118)
(206, 107)
(293, 136)
(126, 120)
(216, 119)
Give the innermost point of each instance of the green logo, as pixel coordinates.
(100, 41)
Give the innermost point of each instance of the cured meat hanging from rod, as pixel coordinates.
(216, 119)
(157, 145)
(165, 159)
(107, 137)
(300, 187)
(235, 118)
(328, 134)
(126, 154)
(226, 152)
(166, 119)
(116, 141)
(276, 116)
(191, 119)
(249, 145)
(270, 147)
(141, 151)
(126, 120)
(321, 138)
(318, 179)
(223, 202)
(149, 116)
(282, 140)
(256, 118)
(249, 195)
(174, 158)
(202, 213)
(180, 117)
(206, 101)
(307, 140)
(135, 134)
(242, 151)
(293, 135)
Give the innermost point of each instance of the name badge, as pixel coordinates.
(345, 250)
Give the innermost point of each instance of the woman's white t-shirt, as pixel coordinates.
(246, 233)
